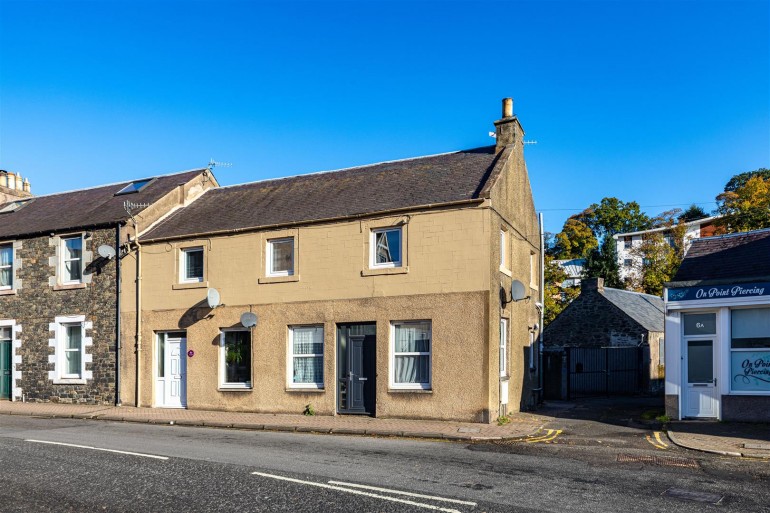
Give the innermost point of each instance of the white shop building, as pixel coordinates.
(717, 330)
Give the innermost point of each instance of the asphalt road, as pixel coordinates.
(581, 465)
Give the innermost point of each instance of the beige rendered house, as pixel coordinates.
(382, 290)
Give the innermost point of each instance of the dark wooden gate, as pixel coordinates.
(604, 371)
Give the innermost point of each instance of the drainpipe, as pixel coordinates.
(542, 307)
(118, 345)
(138, 316)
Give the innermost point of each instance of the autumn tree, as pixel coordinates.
(746, 206)
(658, 257)
(556, 297)
(575, 240)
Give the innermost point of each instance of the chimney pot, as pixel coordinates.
(507, 107)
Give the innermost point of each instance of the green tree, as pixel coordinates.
(602, 262)
(693, 213)
(575, 240)
(740, 179)
(556, 297)
(660, 254)
(612, 216)
(747, 207)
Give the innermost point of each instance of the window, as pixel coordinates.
(411, 350)
(534, 268)
(503, 348)
(71, 342)
(503, 250)
(627, 242)
(71, 258)
(6, 266)
(531, 350)
(192, 265)
(72, 351)
(235, 358)
(280, 257)
(14, 206)
(135, 186)
(306, 357)
(627, 262)
(750, 350)
(385, 247)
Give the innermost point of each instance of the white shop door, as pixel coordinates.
(171, 371)
(701, 388)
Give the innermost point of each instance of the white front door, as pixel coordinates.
(171, 370)
(701, 387)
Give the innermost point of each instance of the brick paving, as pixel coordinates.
(521, 425)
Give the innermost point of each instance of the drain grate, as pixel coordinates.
(689, 495)
(661, 461)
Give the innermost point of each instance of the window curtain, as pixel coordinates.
(308, 346)
(6, 266)
(412, 368)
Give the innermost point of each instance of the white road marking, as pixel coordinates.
(398, 492)
(99, 449)
(357, 492)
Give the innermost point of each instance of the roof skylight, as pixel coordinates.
(135, 186)
(14, 205)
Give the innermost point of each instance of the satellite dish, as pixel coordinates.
(106, 251)
(212, 298)
(518, 292)
(248, 319)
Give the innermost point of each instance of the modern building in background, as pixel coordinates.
(630, 261)
(381, 290)
(718, 330)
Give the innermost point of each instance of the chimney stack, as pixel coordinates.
(13, 186)
(508, 129)
(592, 284)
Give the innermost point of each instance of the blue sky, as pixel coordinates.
(652, 101)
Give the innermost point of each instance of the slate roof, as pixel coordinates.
(97, 206)
(726, 258)
(645, 309)
(348, 192)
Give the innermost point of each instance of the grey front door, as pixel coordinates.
(356, 368)
(5, 363)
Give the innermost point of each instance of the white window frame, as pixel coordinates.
(503, 353)
(59, 329)
(269, 271)
(247, 385)
(183, 265)
(290, 364)
(373, 247)
(393, 354)
(13, 259)
(503, 250)
(62, 260)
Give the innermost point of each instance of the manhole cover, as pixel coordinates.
(689, 495)
(662, 461)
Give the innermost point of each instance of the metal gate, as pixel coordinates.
(604, 371)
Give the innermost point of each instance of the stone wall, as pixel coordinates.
(35, 306)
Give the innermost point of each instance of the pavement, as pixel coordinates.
(751, 440)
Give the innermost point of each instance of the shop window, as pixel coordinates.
(750, 350)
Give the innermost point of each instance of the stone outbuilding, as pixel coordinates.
(606, 317)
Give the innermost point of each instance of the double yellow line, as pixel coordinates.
(549, 437)
(657, 442)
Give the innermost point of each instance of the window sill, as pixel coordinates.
(410, 391)
(8, 292)
(191, 285)
(385, 271)
(70, 381)
(506, 272)
(235, 388)
(278, 279)
(71, 286)
(306, 390)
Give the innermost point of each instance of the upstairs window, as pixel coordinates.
(191, 265)
(280, 257)
(385, 247)
(71, 260)
(627, 242)
(6, 266)
(504, 250)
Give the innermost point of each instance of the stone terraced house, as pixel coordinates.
(60, 267)
(380, 290)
